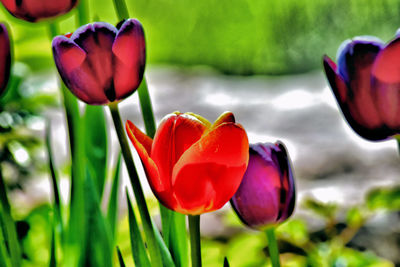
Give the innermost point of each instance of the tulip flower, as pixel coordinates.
(366, 84)
(35, 10)
(100, 63)
(5, 58)
(192, 166)
(266, 195)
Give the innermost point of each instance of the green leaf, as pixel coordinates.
(4, 258)
(120, 258)
(325, 210)
(10, 233)
(53, 257)
(137, 245)
(384, 199)
(165, 254)
(112, 211)
(355, 217)
(96, 144)
(98, 245)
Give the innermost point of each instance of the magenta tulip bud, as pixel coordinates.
(366, 84)
(35, 10)
(266, 195)
(5, 58)
(101, 64)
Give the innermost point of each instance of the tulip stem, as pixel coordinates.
(398, 142)
(155, 254)
(273, 247)
(121, 9)
(195, 246)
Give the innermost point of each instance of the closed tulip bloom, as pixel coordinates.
(266, 195)
(100, 63)
(34, 10)
(5, 58)
(193, 166)
(366, 84)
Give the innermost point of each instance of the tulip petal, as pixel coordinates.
(351, 111)
(385, 72)
(225, 117)
(130, 57)
(5, 58)
(142, 144)
(210, 171)
(355, 63)
(96, 40)
(176, 133)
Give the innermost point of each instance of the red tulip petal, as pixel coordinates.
(176, 133)
(142, 142)
(130, 56)
(225, 117)
(386, 67)
(10, 5)
(210, 171)
(141, 137)
(5, 58)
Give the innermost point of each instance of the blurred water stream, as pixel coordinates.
(331, 162)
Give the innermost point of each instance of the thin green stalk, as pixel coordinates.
(273, 247)
(147, 109)
(154, 250)
(4, 257)
(195, 245)
(54, 183)
(398, 143)
(10, 230)
(121, 9)
(83, 10)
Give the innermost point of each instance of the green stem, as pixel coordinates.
(147, 109)
(195, 246)
(137, 188)
(398, 142)
(273, 247)
(121, 9)
(10, 230)
(83, 10)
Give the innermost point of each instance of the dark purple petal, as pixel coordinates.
(386, 81)
(267, 194)
(358, 105)
(5, 58)
(130, 57)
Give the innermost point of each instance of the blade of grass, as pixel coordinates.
(120, 258)
(112, 211)
(54, 183)
(10, 230)
(165, 253)
(137, 245)
(4, 257)
(98, 245)
(53, 256)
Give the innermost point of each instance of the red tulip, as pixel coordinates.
(34, 10)
(5, 58)
(192, 166)
(266, 195)
(101, 64)
(366, 84)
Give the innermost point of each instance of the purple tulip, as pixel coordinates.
(34, 10)
(100, 63)
(366, 84)
(266, 195)
(5, 58)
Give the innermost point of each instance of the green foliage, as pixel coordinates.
(384, 199)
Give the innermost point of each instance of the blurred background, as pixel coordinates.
(261, 60)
